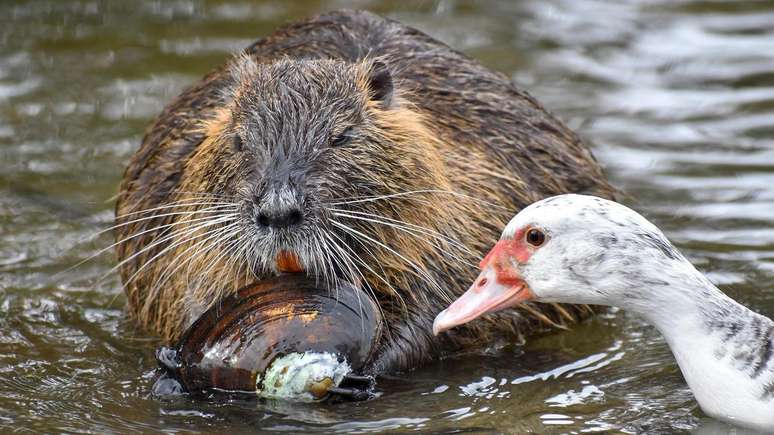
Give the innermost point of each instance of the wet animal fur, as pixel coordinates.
(450, 125)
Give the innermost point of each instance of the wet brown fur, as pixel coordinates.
(453, 126)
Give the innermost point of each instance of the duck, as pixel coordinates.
(584, 249)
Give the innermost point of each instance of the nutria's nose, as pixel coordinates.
(282, 217)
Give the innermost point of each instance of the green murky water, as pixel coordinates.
(676, 98)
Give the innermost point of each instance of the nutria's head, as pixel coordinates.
(319, 160)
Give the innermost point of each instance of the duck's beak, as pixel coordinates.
(499, 286)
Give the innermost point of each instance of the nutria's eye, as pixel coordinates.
(535, 237)
(237, 143)
(343, 138)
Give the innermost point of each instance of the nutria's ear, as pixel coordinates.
(380, 84)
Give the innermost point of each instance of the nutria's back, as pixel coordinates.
(361, 149)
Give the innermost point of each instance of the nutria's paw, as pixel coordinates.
(168, 359)
(353, 388)
(167, 387)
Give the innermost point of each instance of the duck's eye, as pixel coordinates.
(343, 138)
(237, 143)
(535, 237)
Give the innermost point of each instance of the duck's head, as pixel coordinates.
(574, 249)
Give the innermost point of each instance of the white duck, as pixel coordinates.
(584, 249)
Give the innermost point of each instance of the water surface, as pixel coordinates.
(675, 97)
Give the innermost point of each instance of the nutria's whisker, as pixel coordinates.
(321, 247)
(174, 234)
(370, 199)
(350, 259)
(395, 292)
(413, 232)
(200, 194)
(122, 224)
(364, 264)
(398, 221)
(205, 222)
(322, 262)
(252, 259)
(224, 251)
(170, 204)
(126, 239)
(305, 254)
(165, 250)
(357, 294)
(419, 271)
(331, 257)
(234, 251)
(441, 250)
(212, 209)
(220, 234)
(177, 204)
(183, 217)
(368, 287)
(349, 267)
(320, 268)
(157, 285)
(403, 226)
(310, 259)
(426, 191)
(182, 214)
(330, 254)
(241, 253)
(214, 238)
(205, 271)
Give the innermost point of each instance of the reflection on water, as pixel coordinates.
(677, 99)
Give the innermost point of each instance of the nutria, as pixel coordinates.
(360, 148)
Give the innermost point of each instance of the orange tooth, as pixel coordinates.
(288, 262)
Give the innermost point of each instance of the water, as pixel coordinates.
(676, 98)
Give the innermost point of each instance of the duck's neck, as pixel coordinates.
(724, 350)
(682, 297)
